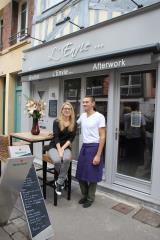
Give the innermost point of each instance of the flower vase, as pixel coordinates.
(35, 127)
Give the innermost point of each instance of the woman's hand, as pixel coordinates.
(96, 160)
(61, 152)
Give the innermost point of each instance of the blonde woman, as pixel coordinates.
(64, 129)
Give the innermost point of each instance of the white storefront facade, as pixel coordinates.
(118, 62)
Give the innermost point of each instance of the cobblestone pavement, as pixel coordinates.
(16, 228)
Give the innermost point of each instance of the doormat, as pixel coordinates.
(123, 208)
(148, 217)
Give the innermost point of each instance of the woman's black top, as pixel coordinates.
(61, 137)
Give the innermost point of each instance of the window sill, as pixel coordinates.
(16, 46)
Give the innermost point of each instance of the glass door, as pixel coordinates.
(72, 94)
(136, 126)
(98, 86)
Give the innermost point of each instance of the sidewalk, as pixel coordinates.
(99, 222)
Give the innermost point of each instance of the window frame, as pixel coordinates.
(22, 35)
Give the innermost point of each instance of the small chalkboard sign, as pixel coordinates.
(35, 209)
(52, 108)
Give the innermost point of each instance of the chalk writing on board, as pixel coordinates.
(52, 108)
(33, 201)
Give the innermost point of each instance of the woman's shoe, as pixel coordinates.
(58, 189)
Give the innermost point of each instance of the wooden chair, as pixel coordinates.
(4, 143)
(45, 169)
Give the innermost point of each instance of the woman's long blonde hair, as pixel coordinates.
(72, 117)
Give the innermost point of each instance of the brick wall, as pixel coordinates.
(7, 24)
(30, 15)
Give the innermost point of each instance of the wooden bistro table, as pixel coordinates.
(31, 139)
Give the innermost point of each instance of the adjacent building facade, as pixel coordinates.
(15, 26)
(118, 62)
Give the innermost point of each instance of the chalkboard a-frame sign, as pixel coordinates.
(33, 202)
(32, 199)
(35, 209)
(52, 108)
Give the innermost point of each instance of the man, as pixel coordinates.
(90, 161)
(134, 126)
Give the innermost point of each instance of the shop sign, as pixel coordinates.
(34, 77)
(91, 67)
(61, 72)
(72, 50)
(108, 65)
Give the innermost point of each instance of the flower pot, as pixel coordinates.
(35, 127)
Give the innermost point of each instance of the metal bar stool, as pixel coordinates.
(45, 169)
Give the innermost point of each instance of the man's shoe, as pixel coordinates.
(58, 189)
(82, 200)
(87, 204)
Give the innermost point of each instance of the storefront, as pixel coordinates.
(118, 62)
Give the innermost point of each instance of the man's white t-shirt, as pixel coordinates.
(90, 126)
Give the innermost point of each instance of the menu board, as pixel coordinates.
(32, 199)
(52, 108)
(35, 209)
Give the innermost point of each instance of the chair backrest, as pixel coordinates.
(4, 143)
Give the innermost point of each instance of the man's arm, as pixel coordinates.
(102, 135)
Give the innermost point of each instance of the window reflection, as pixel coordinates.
(97, 86)
(72, 91)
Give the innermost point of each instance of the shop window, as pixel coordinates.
(98, 86)
(72, 91)
(131, 85)
(138, 84)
